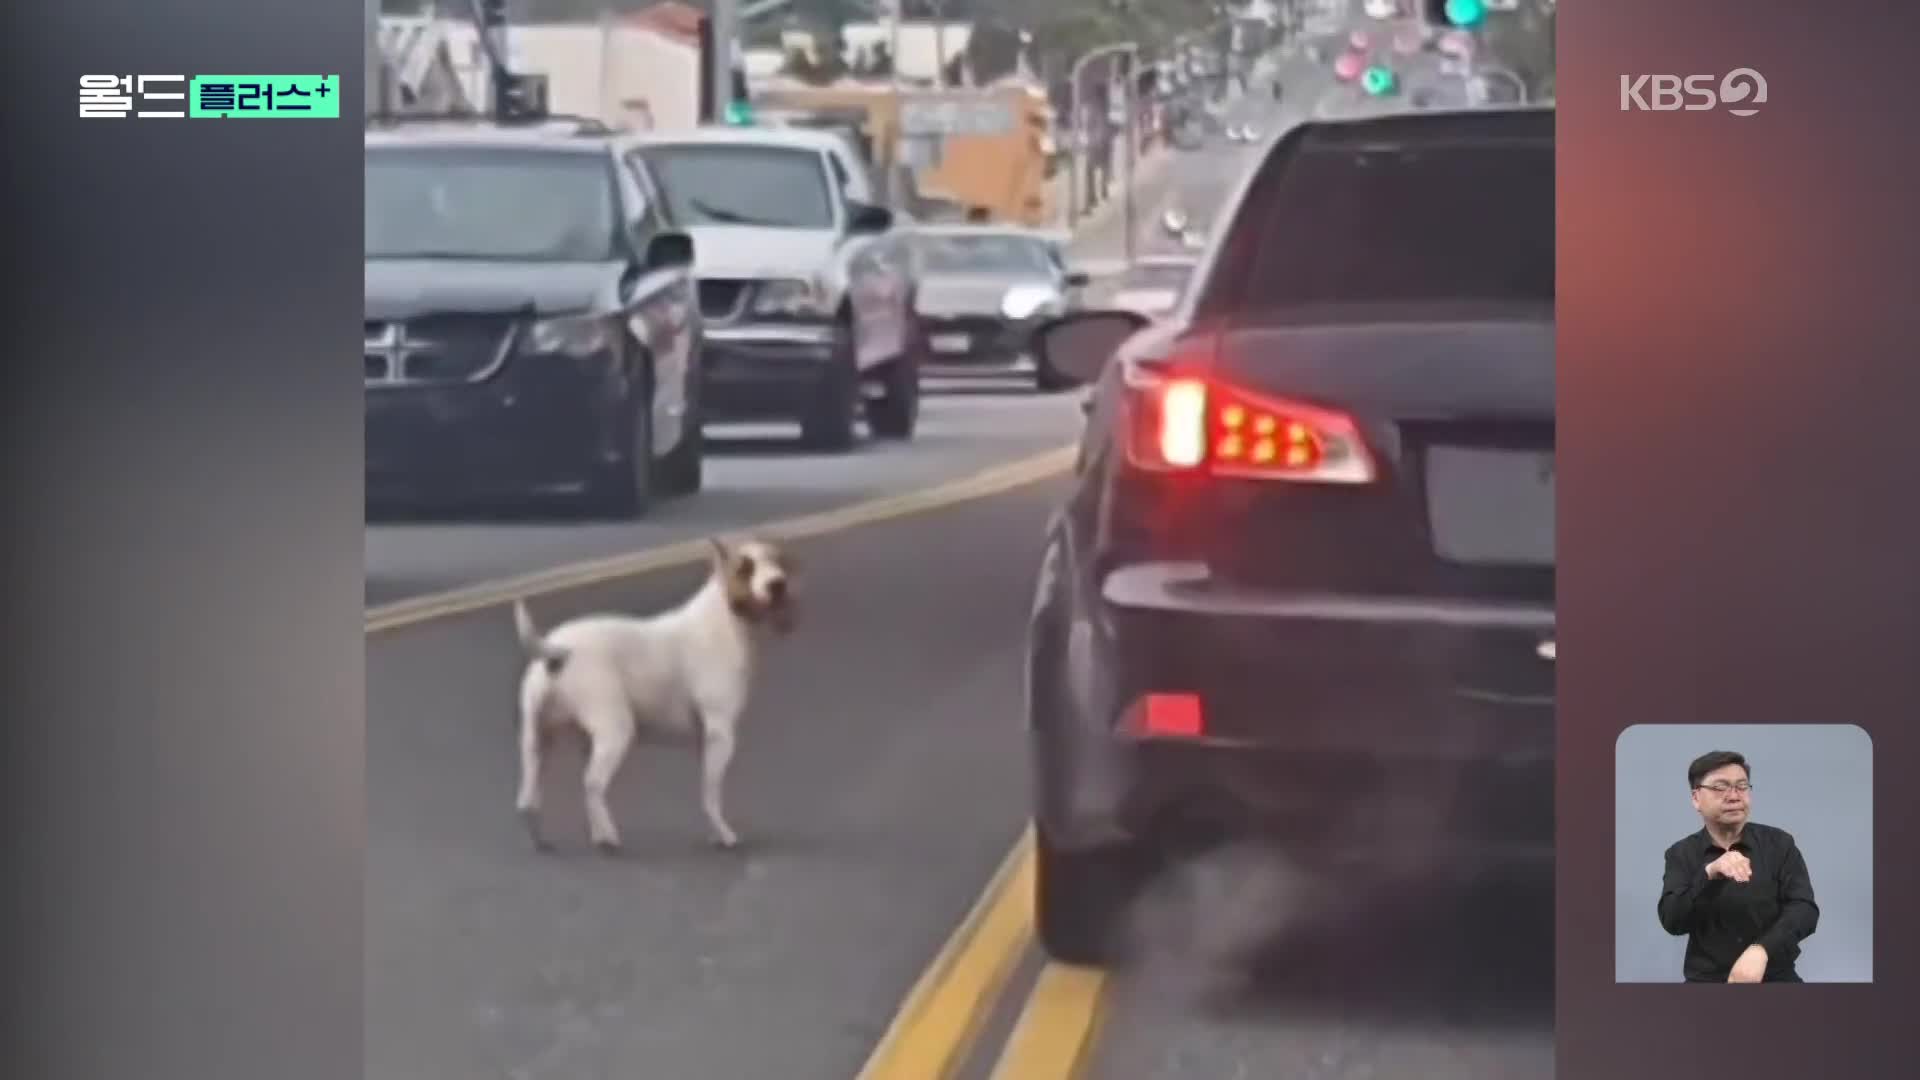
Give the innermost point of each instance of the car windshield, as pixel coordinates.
(1156, 276)
(1433, 225)
(467, 203)
(983, 255)
(767, 186)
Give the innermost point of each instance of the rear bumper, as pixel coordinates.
(763, 372)
(1328, 723)
(991, 341)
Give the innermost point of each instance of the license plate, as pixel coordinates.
(952, 343)
(1491, 507)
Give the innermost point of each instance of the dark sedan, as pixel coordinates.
(530, 322)
(1303, 590)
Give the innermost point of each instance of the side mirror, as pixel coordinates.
(1081, 344)
(865, 219)
(669, 251)
(1078, 279)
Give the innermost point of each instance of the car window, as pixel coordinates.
(767, 186)
(487, 203)
(1447, 224)
(961, 254)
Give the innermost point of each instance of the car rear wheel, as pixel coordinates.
(1081, 900)
(828, 423)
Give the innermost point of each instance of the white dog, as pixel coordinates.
(682, 675)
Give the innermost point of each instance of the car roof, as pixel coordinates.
(955, 228)
(487, 136)
(792, 137)
(1428, 126)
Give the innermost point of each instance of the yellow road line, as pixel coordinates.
(1055, 1035)
(575, 575)
(933, 1033)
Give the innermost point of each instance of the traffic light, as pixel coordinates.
(1462, 14)
(1378, 81)
(739, 112)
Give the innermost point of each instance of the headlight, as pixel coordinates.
(574, 335)
(1024, 301)
(791, 297)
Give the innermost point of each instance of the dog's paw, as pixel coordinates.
(531, 821)
(608, 848)
(729, 842)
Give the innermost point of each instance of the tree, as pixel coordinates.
(993, 51)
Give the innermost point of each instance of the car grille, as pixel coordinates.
(436, 349)
(723, 299)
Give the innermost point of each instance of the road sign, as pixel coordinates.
(955, 117)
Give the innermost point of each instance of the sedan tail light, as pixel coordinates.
(1166, 715)
(1190, 423)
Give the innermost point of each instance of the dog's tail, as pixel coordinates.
(536, 646)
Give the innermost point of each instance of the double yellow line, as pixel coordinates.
(442, 605)
(934, 1033)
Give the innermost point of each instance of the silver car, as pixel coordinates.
(981, 291)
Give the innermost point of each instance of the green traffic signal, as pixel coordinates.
(1377, 81)
(739, 113)
(1466, 13)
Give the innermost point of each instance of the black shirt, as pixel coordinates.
(1721, 918)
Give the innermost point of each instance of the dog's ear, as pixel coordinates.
(722, 558)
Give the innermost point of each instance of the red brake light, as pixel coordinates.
(1171, 716)
(1186, 423)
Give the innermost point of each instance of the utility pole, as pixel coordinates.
(1132, 98)
(896, 130)
(1077, 114)
(939, 44)
(493, 34)
(725, 23)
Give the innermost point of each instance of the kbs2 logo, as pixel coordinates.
(1739, 90)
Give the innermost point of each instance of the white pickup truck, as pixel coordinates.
(806, 289)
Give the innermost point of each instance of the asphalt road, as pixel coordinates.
(879, 782)
(878, 785)
(754, 475)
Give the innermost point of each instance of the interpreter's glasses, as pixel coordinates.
(1721, 787)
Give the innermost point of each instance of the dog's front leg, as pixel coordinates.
(716, 754)
(610, 742)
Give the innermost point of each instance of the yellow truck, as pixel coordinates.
(985, 149)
